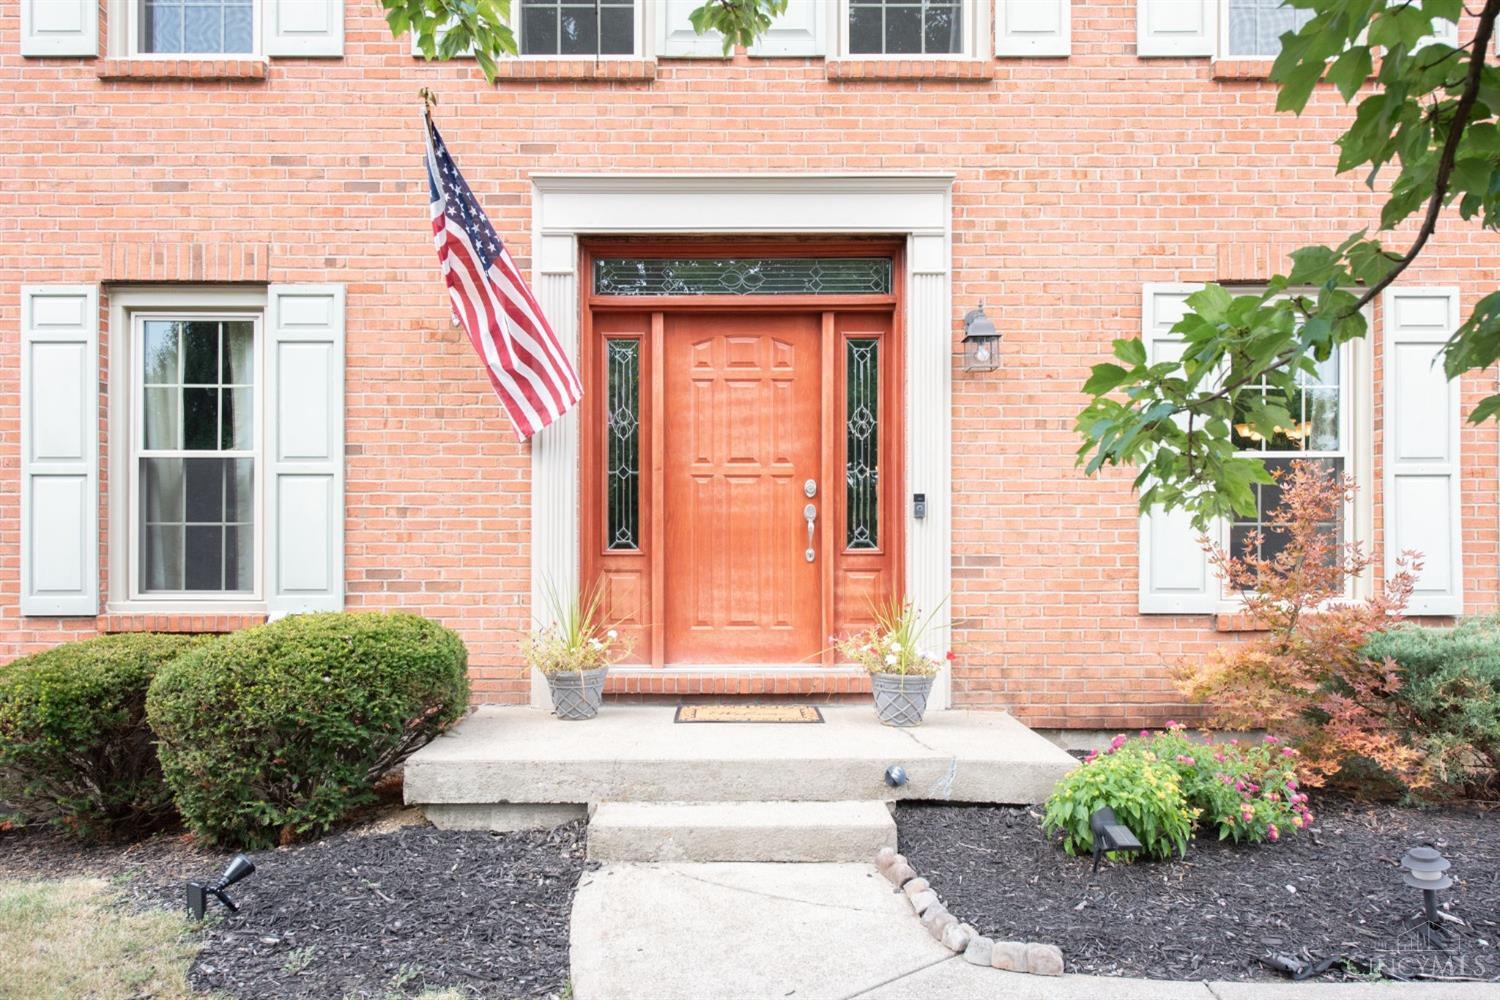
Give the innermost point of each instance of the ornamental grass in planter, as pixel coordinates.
(574, 652)
(901, 671)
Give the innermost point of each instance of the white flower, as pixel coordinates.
(890, 658)
(596, 644)
(612, 634)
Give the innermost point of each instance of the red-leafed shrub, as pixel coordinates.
(1305, 673)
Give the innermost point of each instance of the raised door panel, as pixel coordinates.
(741, 401)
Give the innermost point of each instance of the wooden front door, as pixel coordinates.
(707, 421)
(742, 408)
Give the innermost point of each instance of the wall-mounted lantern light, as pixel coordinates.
(981, 342)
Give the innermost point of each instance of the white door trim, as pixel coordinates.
(916, 206)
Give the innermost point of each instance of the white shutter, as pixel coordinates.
(798, 32)
(305, 453)
(1422, 420)
(59, 27)
(59, 450)
(675, 37)
(1176, 576)
(304, 27)
(1033, 27)
(1176, 27)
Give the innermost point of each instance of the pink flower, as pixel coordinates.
(1291, 782)
(1297, 821)
(1272, 739)
(1090, 758)
(1288, 752)
(1273, 833)
(1185, 759)
(1239, 786)
(1145, 732)
(1234, 743)
(1117, 742)
(1219, 756)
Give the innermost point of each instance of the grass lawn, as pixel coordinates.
(68, 938)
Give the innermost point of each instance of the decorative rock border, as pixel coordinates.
(961, 938)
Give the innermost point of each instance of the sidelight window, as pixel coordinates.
(622, 474)
(862, 443)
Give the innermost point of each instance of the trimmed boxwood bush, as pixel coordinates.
(74, 746)
(1450, 702)
(275, 733)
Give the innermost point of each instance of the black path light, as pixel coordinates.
(240, 867)
(1110, 834)
(981, 342)
(1426, 869)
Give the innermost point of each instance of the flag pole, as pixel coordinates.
(429, 100)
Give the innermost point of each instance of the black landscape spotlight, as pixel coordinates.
(1110, 834)
(895, 776)
(1425, 870)
(240, 867)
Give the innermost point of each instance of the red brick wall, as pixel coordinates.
(1077, 181)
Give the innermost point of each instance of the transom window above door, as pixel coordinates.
(577, 27)
(203, 27)
(906, 27)
(742, 275)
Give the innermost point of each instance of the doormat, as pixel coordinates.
(748, 713)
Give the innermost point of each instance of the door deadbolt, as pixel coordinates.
(810, 488)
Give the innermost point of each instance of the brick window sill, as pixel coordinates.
(1241, 69)
(183, 69)
(955, 70)
(205, 623)
(577, 69)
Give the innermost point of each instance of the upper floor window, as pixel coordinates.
(166, 27)
(906, 27)
(1253, 28)
(577, 27)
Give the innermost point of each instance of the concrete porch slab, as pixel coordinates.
(740, 831)
(635, 753)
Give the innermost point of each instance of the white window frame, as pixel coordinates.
(645, 34)
(642, 10)
(127, 44)
(978, 35)
(128, 308)
(1221, 38)
(1357, 432)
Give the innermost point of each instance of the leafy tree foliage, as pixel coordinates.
(447, 28)
(1427, 135)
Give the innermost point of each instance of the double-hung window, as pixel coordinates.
(1252, 29)
(1319, 433)
(908, 27)
(193, 27)
(195, 455)
(576, 27)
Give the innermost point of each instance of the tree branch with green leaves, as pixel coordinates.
(1431, 118)
(445, 29)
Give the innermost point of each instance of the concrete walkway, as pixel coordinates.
(742, 931)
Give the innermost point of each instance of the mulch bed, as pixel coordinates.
(1334, 889)
(375, 915)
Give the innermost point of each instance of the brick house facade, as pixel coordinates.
(1089, 162)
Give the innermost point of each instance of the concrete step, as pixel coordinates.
(635, 753)
(740, 831)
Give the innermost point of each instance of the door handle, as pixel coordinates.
(810, 512)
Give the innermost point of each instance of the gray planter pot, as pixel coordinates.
(900, 699)
(577, 696)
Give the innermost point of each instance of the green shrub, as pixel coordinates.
(1145, 794)
(1449, 693)
(277, 732)
(75, 749)
(1247, 791)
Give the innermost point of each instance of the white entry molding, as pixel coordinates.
(915, 206)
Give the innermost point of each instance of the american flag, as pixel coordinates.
(526, 364)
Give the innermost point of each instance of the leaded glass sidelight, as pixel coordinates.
(622, 473)
(862, 443)
(742, 276)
